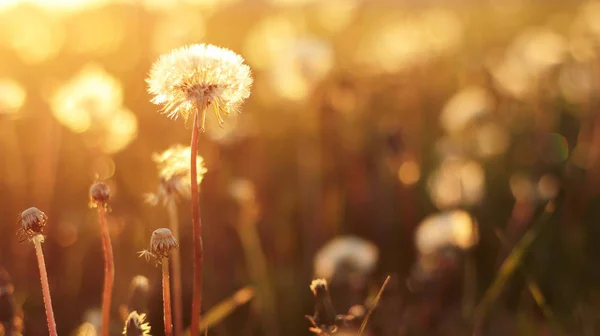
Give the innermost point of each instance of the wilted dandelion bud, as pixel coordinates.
(197, 76)
(161, 244)
(99, 194)
(32, 223)
(135, 325)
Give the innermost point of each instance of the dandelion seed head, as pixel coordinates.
(162, 242)
(99, 193)
(174, 171)
(135, 325)
(139, 282)
(346, 255)
(91, 104)
(196, 74)
(32, 222)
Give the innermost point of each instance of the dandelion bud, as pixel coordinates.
(32, 223)
(99, 193)
(162, 242)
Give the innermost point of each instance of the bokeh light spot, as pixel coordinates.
(409, 172)
(12, 97)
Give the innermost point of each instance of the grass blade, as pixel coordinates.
(375, 302)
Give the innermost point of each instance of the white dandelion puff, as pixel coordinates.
(199, 76)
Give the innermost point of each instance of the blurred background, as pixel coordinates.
(425, 140)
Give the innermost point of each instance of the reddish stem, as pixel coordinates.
(166, 298)
(109, 269)
(45, 287)
(176, 265)
(197, 224)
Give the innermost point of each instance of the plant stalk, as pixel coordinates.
(197, 224)
(45, 287)
(176, 265)
(109, 269)
(166, 286)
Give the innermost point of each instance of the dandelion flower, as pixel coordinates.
(174, 171)
(189, 80)
(197, 76)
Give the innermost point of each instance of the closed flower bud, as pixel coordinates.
(32, 223)
(99, 193)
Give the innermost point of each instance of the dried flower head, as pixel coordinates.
(174, 171)
(197, 76)
(161, 244)
(135, 325)
(99, 194)
(32, 223)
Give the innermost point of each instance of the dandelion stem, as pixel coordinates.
(45, 286)
(109, 269)
(166, 298)
(176, 265)
(197, 224)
